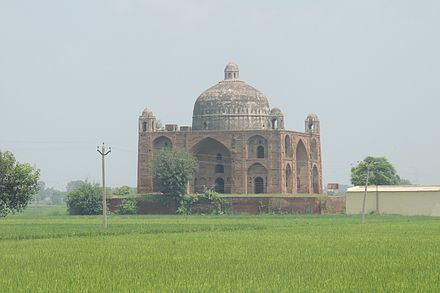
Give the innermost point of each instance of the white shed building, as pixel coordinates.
(408, 200)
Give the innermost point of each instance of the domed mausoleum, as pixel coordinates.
(240, 143)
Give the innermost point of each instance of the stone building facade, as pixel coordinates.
(240, 143)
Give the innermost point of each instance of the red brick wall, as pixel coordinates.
(238, 205)
(335, 205)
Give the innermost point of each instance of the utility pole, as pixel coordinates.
(365, 196)
(104, 153)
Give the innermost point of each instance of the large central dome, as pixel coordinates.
(231, 104)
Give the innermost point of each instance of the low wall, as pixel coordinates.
(412, 203)
(148, 205)
(261, 205)
(335, 205)
(251, 205)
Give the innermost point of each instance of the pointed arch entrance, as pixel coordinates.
(257, 179)
(315, 180)
(302, 169)
(289, 179)
(214, 160)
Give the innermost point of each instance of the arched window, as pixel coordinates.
(144, 126)
(260, 152)
(219, 168)
(219, 157)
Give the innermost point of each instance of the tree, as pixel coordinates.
(85, 199)
(123, 190)
(172, 169)
(404, 182)
(72, 185)
(381, 172)
(18, 184)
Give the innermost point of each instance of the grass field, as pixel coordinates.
(44, 250)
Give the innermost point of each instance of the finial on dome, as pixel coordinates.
(231, 71)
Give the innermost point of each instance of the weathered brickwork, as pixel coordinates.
(241, 145)
(237, 205)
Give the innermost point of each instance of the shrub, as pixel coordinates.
(85, 199)
(123, 190)
(218, 204)
(128, 207)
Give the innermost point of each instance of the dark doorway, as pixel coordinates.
(219, 185)
(259, 185)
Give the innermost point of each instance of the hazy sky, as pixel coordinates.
(76, 73)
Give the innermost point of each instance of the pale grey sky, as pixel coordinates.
(76, 73)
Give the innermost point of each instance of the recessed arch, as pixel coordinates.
(207, 152)
(289, 179)
(314, 149)
(302, 168)
(257, 178)
(257, 147)
(288, 147)
(162, 142)
(315, 180)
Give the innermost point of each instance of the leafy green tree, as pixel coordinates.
(172, 169)
(18, 184)
(73, 185)
(85, 199)
(381, 172)
(123, 190)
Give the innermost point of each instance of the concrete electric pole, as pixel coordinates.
(104, 153)
(365, 196)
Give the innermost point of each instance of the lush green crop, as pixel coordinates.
(58, 253)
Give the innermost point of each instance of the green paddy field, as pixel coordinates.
(45, 250)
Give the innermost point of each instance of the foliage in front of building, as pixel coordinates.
(214, 204)
(85, 199)
(128, 207)
(172, 170)
(123, 190)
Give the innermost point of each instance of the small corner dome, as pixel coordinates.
(276, 112)
(312, 117)
(147, 113)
